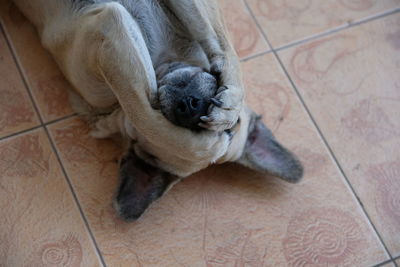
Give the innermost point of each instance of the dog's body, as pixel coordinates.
(156, 67)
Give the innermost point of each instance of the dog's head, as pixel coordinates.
(184, 93)
(147, 171)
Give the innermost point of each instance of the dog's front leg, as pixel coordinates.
(125, 65)
(228, 102)
(203, 21)
(121, 40)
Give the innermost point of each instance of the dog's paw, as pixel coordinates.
(224, 109)
(102, 128)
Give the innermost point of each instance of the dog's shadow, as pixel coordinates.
(218, 188)
(232, 177)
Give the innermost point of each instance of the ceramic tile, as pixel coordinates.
(244, 33)
(48, 85)
(16, 109)
(43, 226)
(350, 81)
(286, 21)
(227, 215)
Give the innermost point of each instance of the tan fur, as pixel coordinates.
(109, 68)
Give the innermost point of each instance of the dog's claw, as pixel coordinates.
(224, 109)
(206, 119)
(204, 125)
(216, 102)
(222, 88)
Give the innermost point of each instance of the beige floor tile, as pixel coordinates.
(287, 21)
(245, 35)
(48, 85)
(351, 83)
(16, 109)
(227, 215)
(40, 223)
(398, 262)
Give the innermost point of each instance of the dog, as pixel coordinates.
(163, 75)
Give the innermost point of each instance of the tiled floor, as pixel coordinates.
(327, 81)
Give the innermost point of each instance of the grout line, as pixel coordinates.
(294, 87)
(256, 55)
(26, 83)
(31, 129)
(330, 151)
(314, 37)
(395, 259)
(44, 125)
(18, 65)
(20, 132)
(86, 222)
(383, 263)
(338, 29)
(61, 119)
(322, 34)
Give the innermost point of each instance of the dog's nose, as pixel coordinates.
(189, 110)
(188, 106)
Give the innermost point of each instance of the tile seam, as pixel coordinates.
(74, 195)
(324, 140)
(44, 126)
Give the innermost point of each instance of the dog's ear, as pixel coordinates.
(263, 153)
(140, 185)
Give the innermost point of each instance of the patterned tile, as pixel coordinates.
(351, 83)
(48, 85)
(228, 215)
(286, 21)
(16, 109)
(244, 33)
(43, 226)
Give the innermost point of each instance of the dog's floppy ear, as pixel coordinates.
(263, 153)
(140, 185)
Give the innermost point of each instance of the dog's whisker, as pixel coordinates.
(206, 119)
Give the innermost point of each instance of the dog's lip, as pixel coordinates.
(193, 122)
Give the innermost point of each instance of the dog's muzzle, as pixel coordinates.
(185, 93)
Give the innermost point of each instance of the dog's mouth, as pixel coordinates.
(184, 94)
